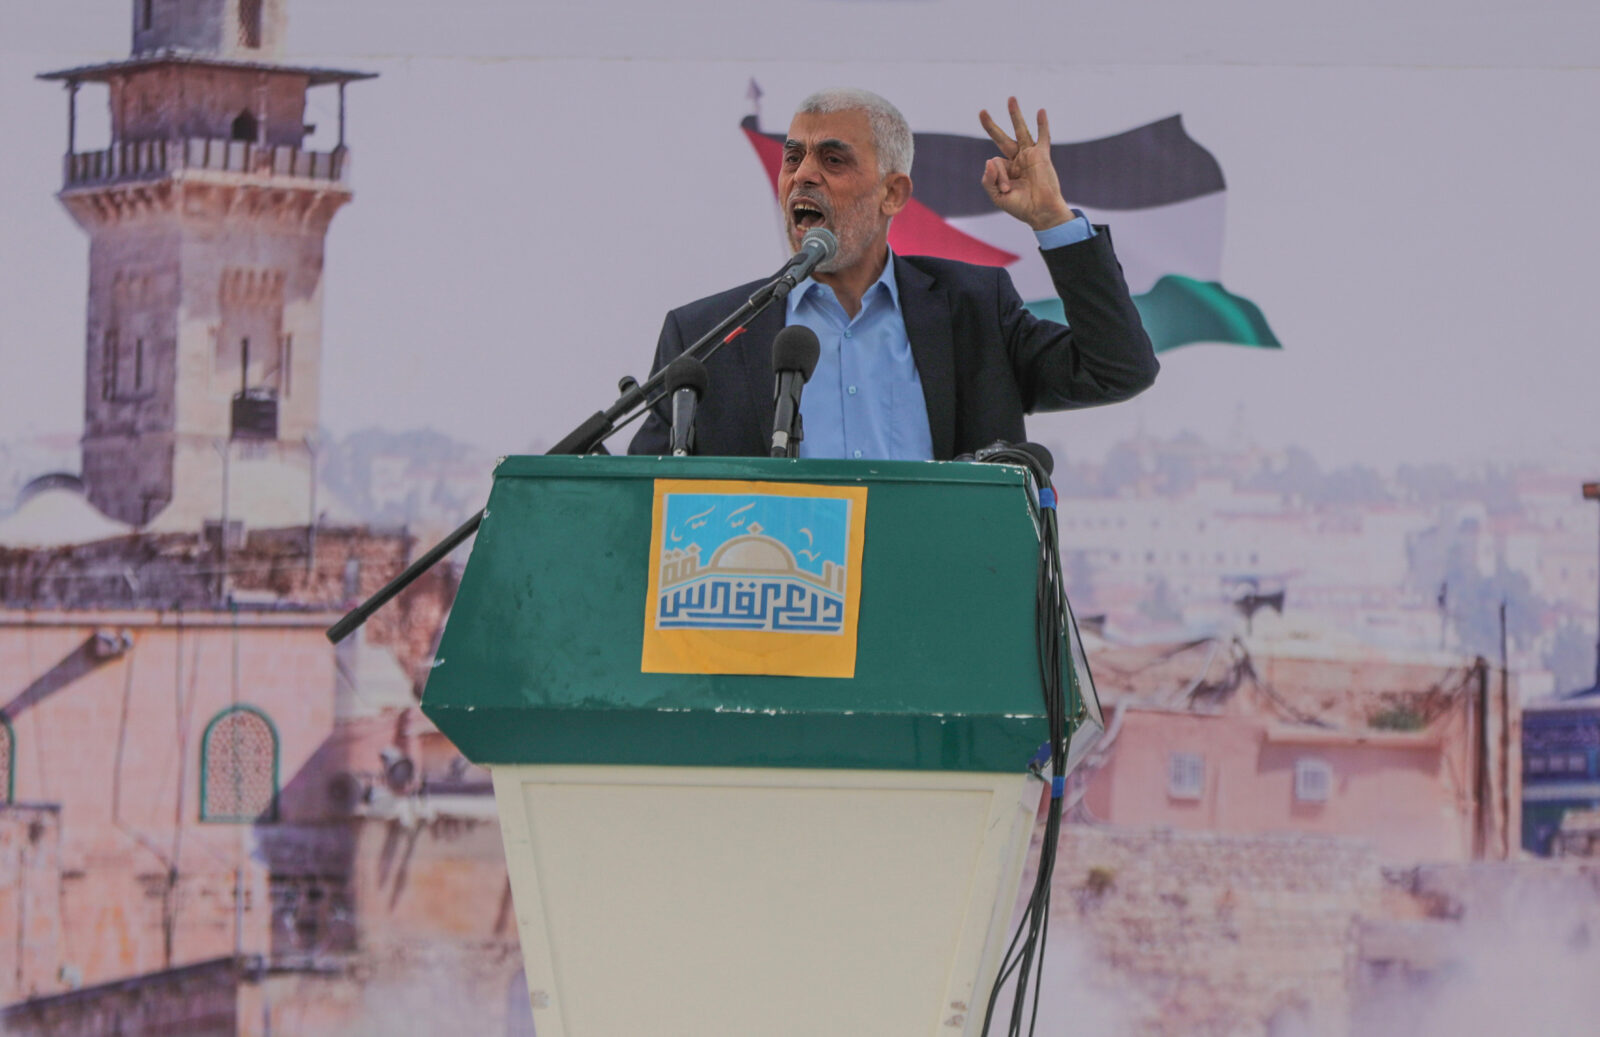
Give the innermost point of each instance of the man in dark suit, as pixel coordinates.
(921, 358)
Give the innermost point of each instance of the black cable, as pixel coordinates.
(1024, 956)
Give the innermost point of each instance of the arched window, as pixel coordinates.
(244, 128)
(239, 767)
(8, 760)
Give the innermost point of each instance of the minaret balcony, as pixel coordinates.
(137, 160)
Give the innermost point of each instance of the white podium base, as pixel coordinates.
(731, 902)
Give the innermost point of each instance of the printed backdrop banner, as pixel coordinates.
(754, 578)
(1162, 192)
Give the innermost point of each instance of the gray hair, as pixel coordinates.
(891, 134)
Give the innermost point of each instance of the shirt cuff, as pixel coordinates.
(1069, 233)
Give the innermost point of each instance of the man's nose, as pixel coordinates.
(809, 171)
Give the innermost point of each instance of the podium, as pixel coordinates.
(743, 852)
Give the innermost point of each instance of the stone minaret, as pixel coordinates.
(206, 222)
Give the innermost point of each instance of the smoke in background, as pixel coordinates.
(1521, 958)
(1073, 1002)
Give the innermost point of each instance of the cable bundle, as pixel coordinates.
(1024, 958)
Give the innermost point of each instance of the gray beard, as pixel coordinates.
(853, 230)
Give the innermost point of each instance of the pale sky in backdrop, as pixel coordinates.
(1412, 199)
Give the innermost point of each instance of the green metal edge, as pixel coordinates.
(703, 738)
(599, 466)
(727, 735)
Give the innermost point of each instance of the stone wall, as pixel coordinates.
(1184, 934)
(175, 101)
(206, 27)
(1199, 934)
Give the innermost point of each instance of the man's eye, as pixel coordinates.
(791, 159)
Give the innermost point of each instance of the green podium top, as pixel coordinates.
(540, 661)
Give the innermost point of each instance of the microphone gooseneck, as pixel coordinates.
(794, 356)
(686, 384)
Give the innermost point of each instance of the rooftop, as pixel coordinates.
(104, 71)
(1357, 692)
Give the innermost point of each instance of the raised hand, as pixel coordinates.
(1020, 180)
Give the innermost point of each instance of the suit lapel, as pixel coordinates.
(755, 346)
(926, 310)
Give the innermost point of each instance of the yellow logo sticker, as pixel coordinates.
(754, 578)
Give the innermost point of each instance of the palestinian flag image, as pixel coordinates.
(1160, 191)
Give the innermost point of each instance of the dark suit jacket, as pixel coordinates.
(983, 359)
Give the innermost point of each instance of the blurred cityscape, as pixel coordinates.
(1164, 535)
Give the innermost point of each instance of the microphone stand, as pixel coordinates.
(788, 420)
(595, 430)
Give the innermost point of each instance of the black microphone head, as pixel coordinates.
(1005, 452)
(687, 373)
(821, 240)
(1040, 454)
(796, 349)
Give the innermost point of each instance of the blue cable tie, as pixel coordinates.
(1041, 757)
(1058, 786)
(1047, 498)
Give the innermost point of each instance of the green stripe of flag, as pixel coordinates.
(1180, 310)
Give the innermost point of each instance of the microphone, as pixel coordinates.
(1046, 460)
(999, 450)
(686, 382)
(794, 357)
(818, 246)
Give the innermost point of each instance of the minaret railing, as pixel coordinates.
(154, 159)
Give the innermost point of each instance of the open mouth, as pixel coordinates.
(806, 215)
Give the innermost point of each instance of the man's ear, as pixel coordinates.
(897, 192)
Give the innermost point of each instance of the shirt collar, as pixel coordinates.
(801, 290)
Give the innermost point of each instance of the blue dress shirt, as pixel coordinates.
(865, 400)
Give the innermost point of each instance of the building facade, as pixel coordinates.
(212, 821)
(1418, 759)
(206, 219)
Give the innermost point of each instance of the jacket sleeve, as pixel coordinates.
(1104, 357)
(655, 433)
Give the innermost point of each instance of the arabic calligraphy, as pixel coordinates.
(725, 603)
(737, 563)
